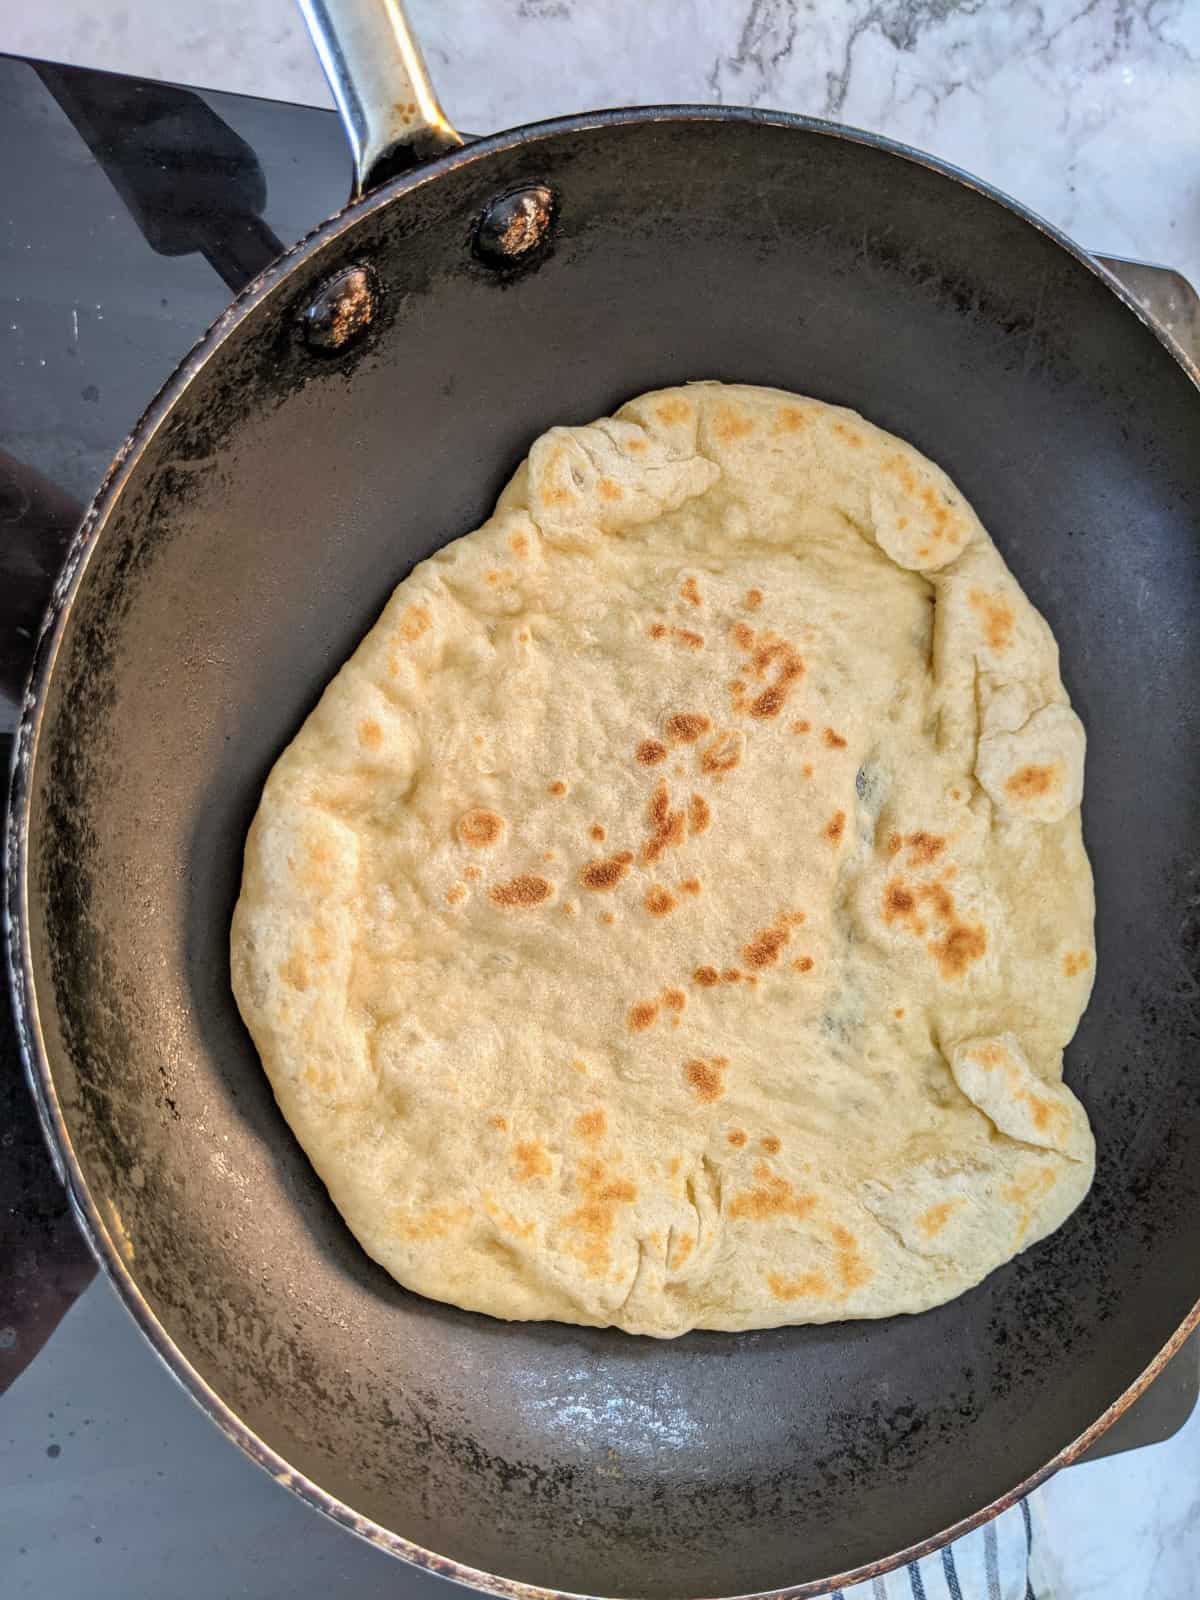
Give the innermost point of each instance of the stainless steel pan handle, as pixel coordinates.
(387, 104)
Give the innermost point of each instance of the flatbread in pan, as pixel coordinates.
(674, 913)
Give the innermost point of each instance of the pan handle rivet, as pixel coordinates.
(515, 226)
(341, 309)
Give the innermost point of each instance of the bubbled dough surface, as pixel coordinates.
(674, 912)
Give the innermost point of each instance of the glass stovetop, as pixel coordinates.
(131, 211)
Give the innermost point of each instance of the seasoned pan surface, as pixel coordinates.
(270, 500)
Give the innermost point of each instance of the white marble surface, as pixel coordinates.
(1087, 110)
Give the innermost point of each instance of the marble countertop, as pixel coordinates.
(1086, 110)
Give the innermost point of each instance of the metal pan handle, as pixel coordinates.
(387, 104)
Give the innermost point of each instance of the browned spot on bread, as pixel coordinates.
(988, 1055)
(993, 1056)
(752, 599)
(610, 490)
(897, 901)
(659, 902)
(557, 788)
(531, 1161)
(722, 754)
(1075, 962)
(835, 827)
(499, 1123)
(681, 1250)
(805, 1287)
(674, 999)
(479, 828)
(932, 1222)
(471, 872)
(415, 621)
(852, 1269)
(519, 544)
(295, 971)
(597, 832)
(704, 1079)
(456, 893)
(706, 977)
(895, 844)
(673, 411)
(899, 1012)
(688, 637)
(642, 1015)
(764, 949)
(690, 591)
(1025, 1192)
(997, 617)
(790, 419)
(924, 848)
(805, 964)
(433, 1224)
(699, 814)
(650, 752)
(685, 727)
(851, 435)
(554, 494)
(592, 1124)
(317, 872)
(801, 726)
(769, 703)
(772, 1196)
(736, 1137)
(691, 885)
(526, 890)
(505, 1221)
(834, 739)
(601, 876)
(668, 828)
(959, 943)
(730, 424)
(635, 447)
(595, 1219)
(732, 975)
(770, 1144)
(770, 658)
(1027, 783)
(658, 630)
(608, 917)
(370, 734)
(806, 770)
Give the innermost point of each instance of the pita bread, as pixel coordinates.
(674, 913)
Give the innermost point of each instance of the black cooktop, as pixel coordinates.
(132, 211)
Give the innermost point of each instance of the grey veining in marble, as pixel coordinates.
(1087, 110)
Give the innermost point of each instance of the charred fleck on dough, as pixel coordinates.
(674, 913)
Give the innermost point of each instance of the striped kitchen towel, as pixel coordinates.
(995, 1562)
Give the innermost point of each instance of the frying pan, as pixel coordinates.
(361, 403)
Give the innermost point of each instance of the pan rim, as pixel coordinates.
(16, 925)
